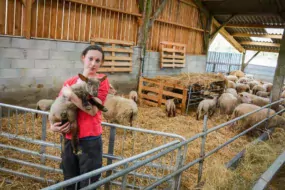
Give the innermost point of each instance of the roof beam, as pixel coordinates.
(273, 36)
(254, 26)
(228, 37)
(267, 44)
(263, 50)
(222, 26)
(200, 6)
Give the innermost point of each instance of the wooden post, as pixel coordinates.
(140, 88)
(160, 94)
(244, 65)
(243, 60)
(28, 17)
(279, 73)
(184, 100)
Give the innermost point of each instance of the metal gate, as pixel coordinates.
(223, 62)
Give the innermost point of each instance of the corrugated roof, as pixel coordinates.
(261, 48)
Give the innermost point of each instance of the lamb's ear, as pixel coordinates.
(103, 78)
(83, 78)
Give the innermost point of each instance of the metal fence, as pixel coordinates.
(160, 167)
(27, 145)
(223, 62)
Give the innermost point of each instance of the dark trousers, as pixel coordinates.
(90, 159)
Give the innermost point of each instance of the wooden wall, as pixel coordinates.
(81, 20)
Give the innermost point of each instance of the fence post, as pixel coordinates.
(202, 153)
(179, 162)
(188, 99)
(110, 152)
(124, 181)
(43, 147)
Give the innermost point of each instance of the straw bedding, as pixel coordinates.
(152, 118)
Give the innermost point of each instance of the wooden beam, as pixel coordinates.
(28, 18)
(254, 26)
(278, 80)
(228, 37)
(273, 36)
(263, 50)
(157, 12)
(244, 65)
(200, 6)
(222, 26)
(267, 44)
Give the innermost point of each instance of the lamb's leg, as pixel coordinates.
(174, 112)
(74, 132)
(98, 105)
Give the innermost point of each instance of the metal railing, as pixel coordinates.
(24, 135)
(174, 175)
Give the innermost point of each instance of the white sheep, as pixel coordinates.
(120, 110)
(170, 108)
(207, 106)
(44, 105)
(134, 96)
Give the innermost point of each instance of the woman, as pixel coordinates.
(89, 122)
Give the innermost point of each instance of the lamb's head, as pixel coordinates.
(92, 84)
(245, 98)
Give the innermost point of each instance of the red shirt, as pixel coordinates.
(89, 125)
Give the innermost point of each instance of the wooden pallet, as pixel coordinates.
(121, 55)
(172, 55)
(160, 90)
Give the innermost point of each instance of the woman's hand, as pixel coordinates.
(57, 127)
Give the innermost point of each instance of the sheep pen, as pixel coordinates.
(152, 118)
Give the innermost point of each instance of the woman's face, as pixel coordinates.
(92, 62)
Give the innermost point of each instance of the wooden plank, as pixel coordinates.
(172, 65)
(110, 41)
(151, 89)
(149, 103)
(175, 56)
(267, 44)
(150, 97)
(173, 61)
(175, 95)
(273, 36)
(120, 50)
(160, 92)
(150, 81)
(140, 87)
(28, 18)
(107, 63)
(184, 100)
(118, 58)
(173, 50)
(172, 43)
(104, 7)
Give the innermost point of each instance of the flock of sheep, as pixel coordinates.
(242, 95)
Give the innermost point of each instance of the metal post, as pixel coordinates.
(202, 154)
(43, 147)
(189, 99)
(124, 181)
(179, 160)
(110, 152)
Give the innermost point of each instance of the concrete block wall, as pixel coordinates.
(34, 69)
(152, 68)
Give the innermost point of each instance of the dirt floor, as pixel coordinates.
(152, 118)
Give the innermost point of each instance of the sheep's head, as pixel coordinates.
(92, 84)
(245, 98)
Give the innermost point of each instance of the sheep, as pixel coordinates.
(256, 100)
(258, 88)
(263, 94)
(232, 78)
(170, 108)
(231, 84)
(112, 90)
(254, 118)
(232, 91)
(242, 88)
(283, 94)
(120, 110)
(243, 80)
(237, 73)
(268, 87)
(44, 105)
(206, 106)
(227, 103)
(253, 83)
(134, 96)
(64, 110)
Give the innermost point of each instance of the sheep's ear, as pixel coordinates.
(103, 78)
(241, 95)
(83, 78)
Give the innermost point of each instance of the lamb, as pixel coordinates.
(232, 91)
(170, 108)
(283, 94)
(227, 103)
(64, 110)
(231, 84)
(44, 105)
(253, 83)
(120, 110)
(263, 94)
(232, 78)
(242, 88)
(206, 107)
(258, 88)
(134, 96)
(249, 121)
